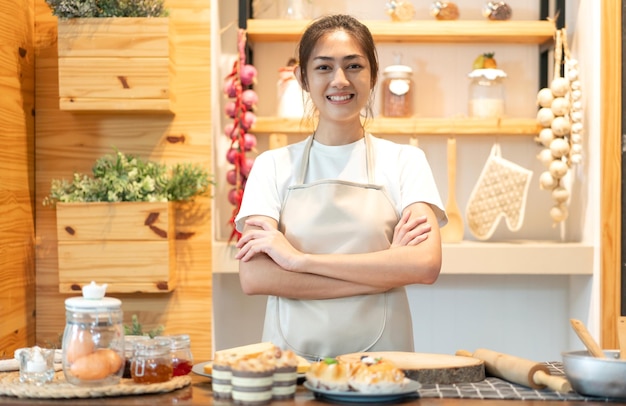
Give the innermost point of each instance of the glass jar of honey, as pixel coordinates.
(182, 359)
(152, 361)
(397, 91)
(486, 93)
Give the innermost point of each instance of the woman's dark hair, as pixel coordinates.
(325, 25)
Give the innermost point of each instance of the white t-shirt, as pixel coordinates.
(402, 169)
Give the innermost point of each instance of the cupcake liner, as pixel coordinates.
(252, 387)
(221, 382)
(285, 381)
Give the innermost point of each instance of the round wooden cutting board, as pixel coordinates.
(429, 368)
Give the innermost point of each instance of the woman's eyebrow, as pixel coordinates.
(345, 58)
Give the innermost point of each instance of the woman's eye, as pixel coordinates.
(354, 66)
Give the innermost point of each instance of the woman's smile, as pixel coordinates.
(340, 98)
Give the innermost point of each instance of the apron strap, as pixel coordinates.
(305, 160)
(369, 158)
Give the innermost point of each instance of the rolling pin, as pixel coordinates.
(518, 370)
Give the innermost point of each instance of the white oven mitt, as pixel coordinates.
(501, 191)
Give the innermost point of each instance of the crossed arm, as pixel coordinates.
(270, 265)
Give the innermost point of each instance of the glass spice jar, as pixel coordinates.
(152, 361)
(129, 349)
(397, 89)
(93, 339)
(182, 359)
(486, 93)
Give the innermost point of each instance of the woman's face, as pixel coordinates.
(338, 77)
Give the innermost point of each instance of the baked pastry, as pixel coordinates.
(252, 380)
(303, 365)
(376, 375)
(285, 374)
(221, 367)
(221, 375)
(249, 350)
(329, 374)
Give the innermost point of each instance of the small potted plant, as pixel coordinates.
(118, 225)
(128, 178)
(107, 8)
(113, 55)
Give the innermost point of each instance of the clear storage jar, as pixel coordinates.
(93, 339)
(486, 93)
(129, 348)
(152, 361)
(182, 359)
(397, 91)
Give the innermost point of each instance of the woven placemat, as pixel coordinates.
(59, 388)
(496, 388)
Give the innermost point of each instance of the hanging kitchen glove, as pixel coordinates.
(501, 191)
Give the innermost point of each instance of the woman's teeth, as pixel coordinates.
(340, 98)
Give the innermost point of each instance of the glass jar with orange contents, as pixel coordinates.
(93, 339)
(152, 361)
(397, 91)
(182, 360)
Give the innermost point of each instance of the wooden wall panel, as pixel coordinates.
(68, 142)
(17, 264)
(611, 168)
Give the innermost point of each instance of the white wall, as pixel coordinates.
(523, 315)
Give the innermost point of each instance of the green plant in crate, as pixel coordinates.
(107, 8)
(127, 178)
(136, 329)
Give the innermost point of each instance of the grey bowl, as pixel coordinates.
(591, 376)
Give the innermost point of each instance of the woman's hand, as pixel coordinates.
(265, 238)
(410, 231)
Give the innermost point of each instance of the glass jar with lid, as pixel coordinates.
(486, 93)
(152, 361)
(93, 339)
(182, 359)
(397, 91)
(129, 347)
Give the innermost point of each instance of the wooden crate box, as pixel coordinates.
(129, 245)
(114, 64)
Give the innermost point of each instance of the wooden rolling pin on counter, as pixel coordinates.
(518, 370)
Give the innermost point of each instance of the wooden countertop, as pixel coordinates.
(199, 393)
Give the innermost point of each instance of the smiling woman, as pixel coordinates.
(329, 218)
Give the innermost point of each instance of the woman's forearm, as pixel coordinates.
(385, 269)
(397, 266)
(270, 265)
(262, 276)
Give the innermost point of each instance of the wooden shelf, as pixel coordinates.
(424, 31)
(413, 126)
(480, 258)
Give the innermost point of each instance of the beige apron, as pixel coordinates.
(339, 217)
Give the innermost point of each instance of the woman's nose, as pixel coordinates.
(339, 79)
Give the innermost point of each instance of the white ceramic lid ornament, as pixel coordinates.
(93, 299)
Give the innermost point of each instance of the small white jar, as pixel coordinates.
(486, 93)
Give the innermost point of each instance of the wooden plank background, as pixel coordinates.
(71, 141)
(17, 176)
(611, 157)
